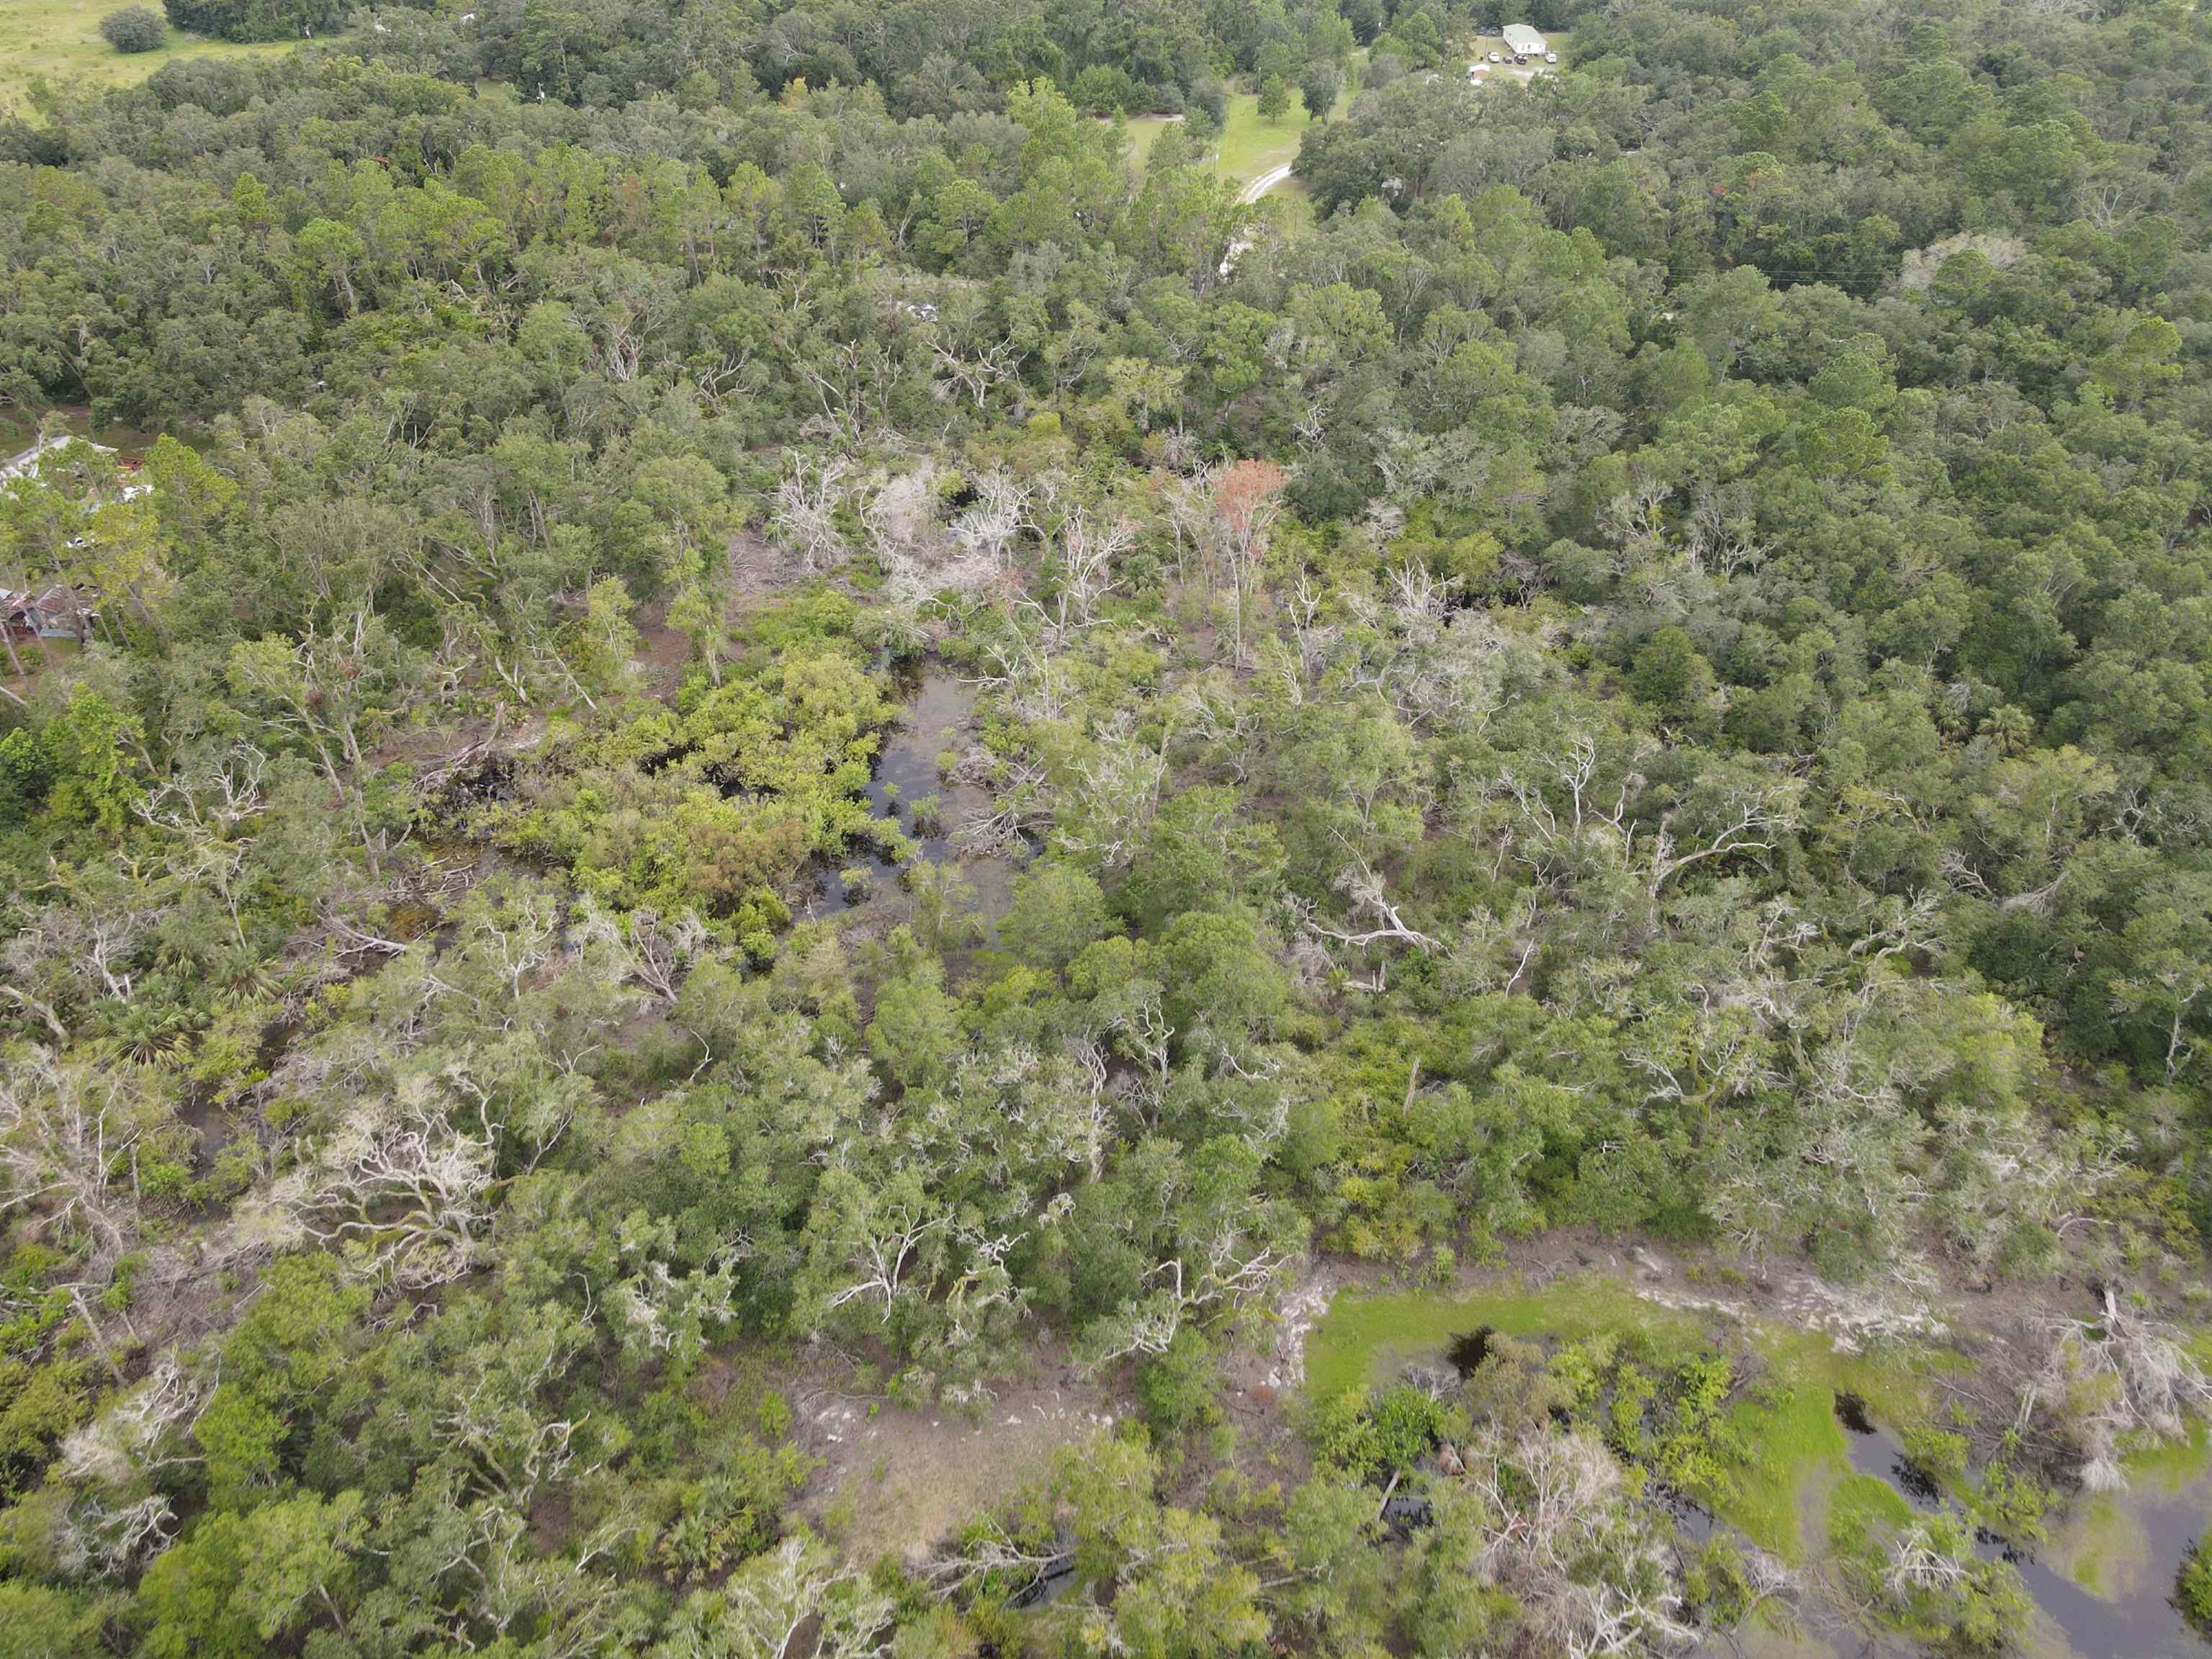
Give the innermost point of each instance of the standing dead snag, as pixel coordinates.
(973, 372)
(1226, 518)
(68, 1137)
(1552, 1503)
(1089, 558)
(805, 516)
(1246, 497)
(1117, 794)
(399, 1187)
(641, 948)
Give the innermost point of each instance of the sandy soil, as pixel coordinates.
(899, 1483)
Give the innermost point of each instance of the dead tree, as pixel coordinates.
(642, 948)
(805, 515)
(1089, 555)
(2111, 1378)
(68, 1137)
(400, 1189)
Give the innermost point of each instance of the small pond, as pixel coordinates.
(939, 717)
(2128, 1546)
(2152, 1525)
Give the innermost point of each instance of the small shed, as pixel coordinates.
(56, 614)
(1524, 41)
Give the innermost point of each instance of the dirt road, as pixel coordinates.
(1266, 182)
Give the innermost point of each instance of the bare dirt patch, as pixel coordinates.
(758, 571)
(663, 653)
(897, 1482)
(439, 750)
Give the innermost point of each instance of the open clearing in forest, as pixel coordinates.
(1795, 1447)
(60, 40)
(1479, 49)
(1250, 147)
(899, 1482)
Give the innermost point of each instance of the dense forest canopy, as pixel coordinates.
(1624, 674)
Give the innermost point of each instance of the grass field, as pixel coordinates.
(1792, 1438)
(60, 40)
(1144, 133)
(1249, 146)
(1364, 1339)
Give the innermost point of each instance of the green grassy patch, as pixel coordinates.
(1794, 1449)
(1365, 1338)
(1292, 204)
(1860, 1508)
(1144, 131)
(1793, 1443)
(1249, 146)
(1789, 1439)
(2167, 1468)
(60, 40)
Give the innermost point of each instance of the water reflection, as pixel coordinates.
(2140, 1622)
(939, 719)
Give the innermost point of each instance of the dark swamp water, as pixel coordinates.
(939, 717)
(2158, 1524)
(2140, 1622)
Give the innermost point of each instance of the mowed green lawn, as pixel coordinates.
(1249, 146)
(1144, 131)
(60, 40)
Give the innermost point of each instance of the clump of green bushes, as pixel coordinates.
(135, 29)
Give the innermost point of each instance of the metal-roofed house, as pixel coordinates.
(1524, 42)
(26, 464)
(53, 613)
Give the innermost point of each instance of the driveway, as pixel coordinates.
(1266, 182)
